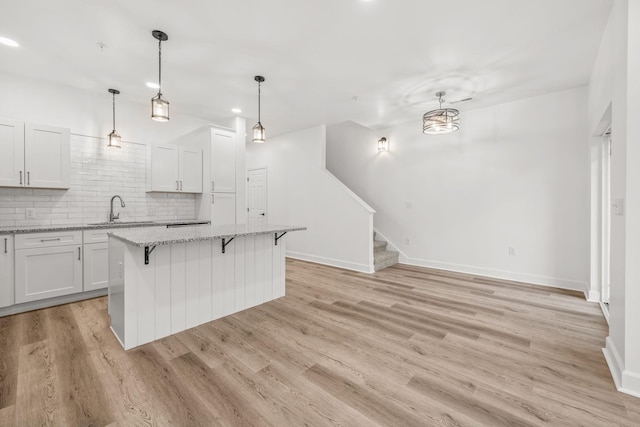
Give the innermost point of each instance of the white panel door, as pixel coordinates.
(223, 209)
(11, 153)
(257, 196)
(47, 153)
(190, 170)
(223, 161)
(96, 266)
(47, 272)
(164, 170)
(6, 270)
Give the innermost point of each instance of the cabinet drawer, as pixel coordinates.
(46, 240)
(97, 236)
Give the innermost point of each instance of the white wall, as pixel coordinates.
(515, 175)
(87, 113)
(617, 69)
(302, 192)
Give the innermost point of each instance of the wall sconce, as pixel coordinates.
(383, 144)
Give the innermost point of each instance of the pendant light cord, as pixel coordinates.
(114, 112)
(258, 102)
(159, 67)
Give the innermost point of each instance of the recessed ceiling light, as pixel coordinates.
(236, 110)
(9, 42)
(153, 85)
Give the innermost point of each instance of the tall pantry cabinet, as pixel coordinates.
(223, 176)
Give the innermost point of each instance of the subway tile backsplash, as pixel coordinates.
(97, 174)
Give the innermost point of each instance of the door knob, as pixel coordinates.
(262, 214)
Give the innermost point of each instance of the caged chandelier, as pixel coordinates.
(442, 120)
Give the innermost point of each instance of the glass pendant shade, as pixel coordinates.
(114, 140)
(442, 120)
(383, 144)
(159, 108)
(259, 134)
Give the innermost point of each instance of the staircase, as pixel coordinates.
(382, 258)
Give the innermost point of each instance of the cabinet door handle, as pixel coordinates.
(213, 185)
(79, 249)
(213, 198)
(180, 185)
(20, 177)
(50, 240)
(177, 185)
(28, 178)
(5, 245)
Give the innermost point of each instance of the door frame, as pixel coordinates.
(605, 247)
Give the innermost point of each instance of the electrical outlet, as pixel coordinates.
(407, 240)
(512, 250)
(30, 213)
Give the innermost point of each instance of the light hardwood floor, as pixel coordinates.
(406, 346)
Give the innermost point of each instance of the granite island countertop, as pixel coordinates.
(166, 236)
(19, 229)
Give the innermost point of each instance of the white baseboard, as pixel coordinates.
(593, 296)
(555, 282)
(614, 361)
(626, 382)
(362, 268)
(630, 383)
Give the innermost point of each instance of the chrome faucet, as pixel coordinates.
(112, 216)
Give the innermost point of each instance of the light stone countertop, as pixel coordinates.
(19, 229)
(166, 236)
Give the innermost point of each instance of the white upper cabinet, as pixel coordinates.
(34, 156)
(174, 169)
(191, 170)
(223, 161)
(11, 153)
(47, 156)
(163, 169)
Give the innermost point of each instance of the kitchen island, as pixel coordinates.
(163, 281)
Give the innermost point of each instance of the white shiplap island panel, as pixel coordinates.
(188, 280)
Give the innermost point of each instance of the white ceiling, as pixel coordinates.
(316, 55)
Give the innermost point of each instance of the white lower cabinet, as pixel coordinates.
(96, 266)
(6, 270)
(47, 265)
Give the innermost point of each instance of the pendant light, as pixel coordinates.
(114, 138)
(258, 129)
(442, 120)
(159, 105)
